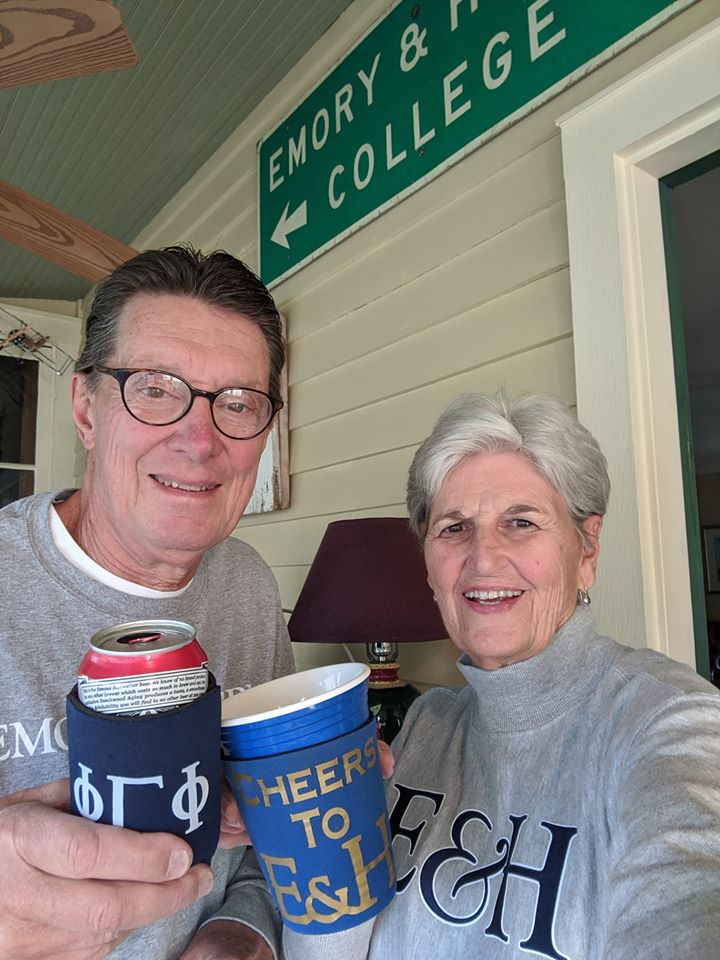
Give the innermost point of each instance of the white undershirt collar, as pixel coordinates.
(75, 555)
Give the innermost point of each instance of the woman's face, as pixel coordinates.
(504, 559)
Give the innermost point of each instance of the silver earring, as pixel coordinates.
(584, 596)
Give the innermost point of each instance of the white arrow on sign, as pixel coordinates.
(287, 224)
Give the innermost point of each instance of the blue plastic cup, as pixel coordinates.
(294, 712)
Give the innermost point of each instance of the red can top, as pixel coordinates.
(142, 646)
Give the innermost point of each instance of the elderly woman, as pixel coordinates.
(566, 802)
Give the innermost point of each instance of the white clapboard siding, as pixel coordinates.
(408, 417)
(463, 286)
(438, 295)
(463, 335)
(478, 212)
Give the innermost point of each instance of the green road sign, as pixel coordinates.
(425, 86)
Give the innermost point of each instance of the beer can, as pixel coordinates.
(143, 666)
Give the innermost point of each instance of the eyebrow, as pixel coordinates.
(518, 508)
(515, 510)
(451, 515)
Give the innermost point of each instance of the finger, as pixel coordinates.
(232, 826)
(387, 760)
(106, 908)
(54, 794)
(67, 846)
(29, 940)
(231, 837)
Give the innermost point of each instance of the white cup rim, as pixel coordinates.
(287, 693)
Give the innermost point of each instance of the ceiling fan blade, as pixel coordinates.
(58, 237)
(46, 40)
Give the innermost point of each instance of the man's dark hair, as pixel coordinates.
(217, 278)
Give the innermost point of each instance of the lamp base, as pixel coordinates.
(389, 698)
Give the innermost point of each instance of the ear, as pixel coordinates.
(590, 550)
(83, 408)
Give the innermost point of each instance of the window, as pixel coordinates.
(18, 420)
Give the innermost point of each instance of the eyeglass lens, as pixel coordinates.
(160, 398)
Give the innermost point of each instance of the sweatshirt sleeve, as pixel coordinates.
(352, 944)
(249, 901)
(283, 658)
(664, 883)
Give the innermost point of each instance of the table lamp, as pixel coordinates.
(368, 584)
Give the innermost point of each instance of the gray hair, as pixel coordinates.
(217, 278)
(537, 426)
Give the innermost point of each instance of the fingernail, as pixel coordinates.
(179, 864)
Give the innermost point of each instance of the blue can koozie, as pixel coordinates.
(157, 772)
(318, 822)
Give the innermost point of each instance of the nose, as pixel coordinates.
(485, 550)
(196, 435)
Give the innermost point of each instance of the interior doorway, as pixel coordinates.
(690, 206)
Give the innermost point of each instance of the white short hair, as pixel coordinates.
(537, 426)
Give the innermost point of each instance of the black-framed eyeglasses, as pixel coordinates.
(157, 398)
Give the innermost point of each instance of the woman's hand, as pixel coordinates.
(387, 760)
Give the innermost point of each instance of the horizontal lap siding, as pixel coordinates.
(463, 286)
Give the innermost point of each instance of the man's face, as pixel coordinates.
(160, 493)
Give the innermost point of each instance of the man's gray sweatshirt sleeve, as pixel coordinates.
(352, 944)
(249, 901)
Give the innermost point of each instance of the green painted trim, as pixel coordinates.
(692, 514)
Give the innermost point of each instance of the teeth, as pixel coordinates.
(192, 487)
(492, 594)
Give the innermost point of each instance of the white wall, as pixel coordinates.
(462, 286)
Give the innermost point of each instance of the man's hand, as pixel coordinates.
(227, 940)
(71, 889)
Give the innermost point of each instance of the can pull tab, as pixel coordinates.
(136, 638)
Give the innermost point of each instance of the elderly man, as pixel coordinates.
(146, 537)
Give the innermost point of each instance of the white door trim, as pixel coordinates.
(615, 148)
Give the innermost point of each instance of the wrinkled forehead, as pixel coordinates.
(168, 330)
(497, 475)
(160, 313)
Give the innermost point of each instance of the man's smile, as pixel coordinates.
(188, 487)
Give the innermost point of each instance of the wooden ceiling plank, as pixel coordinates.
(58, 237)
(51, 40)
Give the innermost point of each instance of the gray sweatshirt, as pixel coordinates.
(567, 806)
(49, 612)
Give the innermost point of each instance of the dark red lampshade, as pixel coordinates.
(367, 584)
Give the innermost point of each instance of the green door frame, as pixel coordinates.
(692, 516)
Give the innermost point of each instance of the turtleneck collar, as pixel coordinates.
(535, 691)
